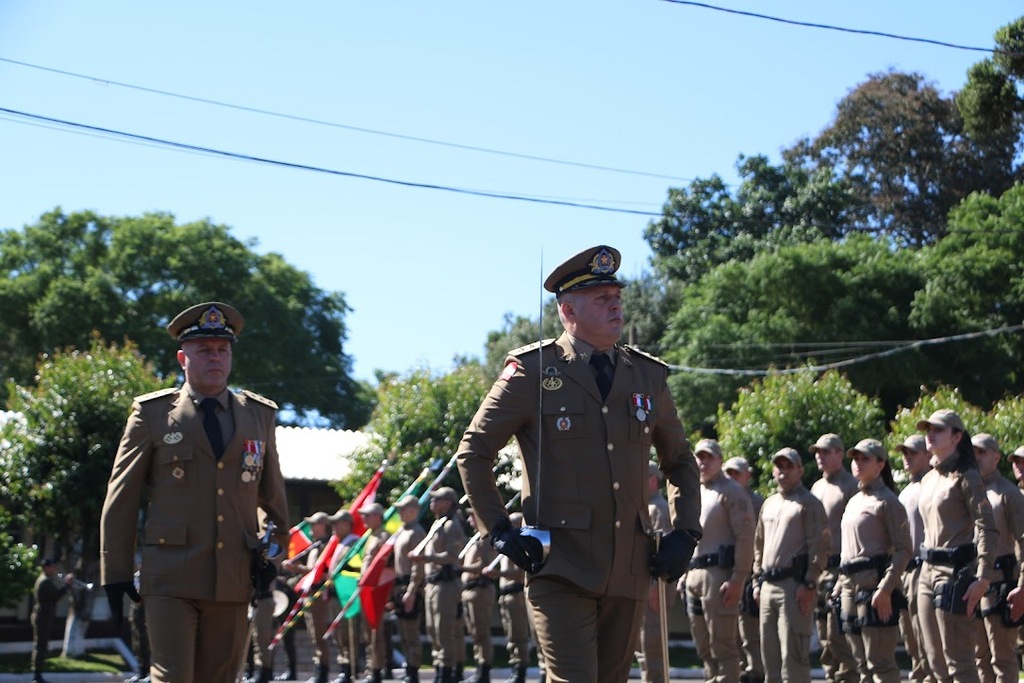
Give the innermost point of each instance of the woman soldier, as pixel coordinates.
(959, 549)
(875, 551)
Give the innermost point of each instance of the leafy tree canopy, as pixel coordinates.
(72, 274)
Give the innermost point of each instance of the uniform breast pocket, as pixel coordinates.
(640, 425)
(174, 467)
(563, 418)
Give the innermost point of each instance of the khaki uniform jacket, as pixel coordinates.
(791, 523)
(834, 492)
(728, 520)
(1008, 513)
(590, 468)
(201, 519)
(875, 523)
(407, 538)
(447, 539)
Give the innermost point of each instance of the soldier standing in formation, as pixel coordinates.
(790, 546)
(997, 633)
(317, 613)
(47, 591)
(720, 567)
(738, 469)
(652, 656)
(205, 459)
(834, 489)
(444, 587)
(585, 412)
(515, 618)
(407, 594)
(958, 551)
(478, 596)
(916, 463)
(373, 518)
(875, 551)
(346, 635)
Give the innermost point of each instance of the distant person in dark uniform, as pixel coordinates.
(652, 656)
(47, 591)
(737, 468)
(205, 459)
(586, 412)
(407, 594)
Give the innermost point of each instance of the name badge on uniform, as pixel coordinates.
(643, 405)
(253, 451)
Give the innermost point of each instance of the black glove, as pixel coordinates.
(115, 596)
(264, 573)
(526, 552)
(674, 555)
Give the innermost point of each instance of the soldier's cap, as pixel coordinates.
(737, 463)
(318, 518)
(445, 493)
(790, 454)
(589, 268)
(341, 515)
(208, 320)
(986, 442)
(407, 501)
(914, 443)
(708, 446)
(1019, 453)
(47, 562)
(826, 442)
(872, 447)
(653, 470)
(372, 509)
(942, 418)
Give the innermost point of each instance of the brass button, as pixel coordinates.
(220, 518)
(220, 544)
(220, 492)
(174, 458)
(615, 486)
(611, 446)
(604, 409)
(220, 466)
(163, 540)
(562, 409)
(617, 524)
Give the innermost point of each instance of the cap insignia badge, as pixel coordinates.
(213, 319)
(603, 263)
(171, 438)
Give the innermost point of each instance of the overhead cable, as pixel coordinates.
(843, 29)
(850, 361)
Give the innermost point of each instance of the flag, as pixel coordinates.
(367, 496)
(300, 539)
(319, 571)
(375, 584)
(346, 579)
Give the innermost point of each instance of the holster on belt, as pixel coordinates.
(443, 575)
(748, 605)
(1000, 592)
(949, 595)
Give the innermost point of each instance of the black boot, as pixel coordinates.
(288, 675)
(345, 676)
(457, 674)
(319, 674)
(412, 675)
(373, 676)
(481, 675)
(447, 675)
(264, 675)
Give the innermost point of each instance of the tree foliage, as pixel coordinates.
(57, 457)
(18, 563)
(72, 274)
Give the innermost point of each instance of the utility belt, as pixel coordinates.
(445, 574)
(511, 589)
(878, 562)
(949, 595)
(798, 569)
(724, 558)
(403, 580)
(999, 591)
(950, 557)
(867, 615)
(479, 582)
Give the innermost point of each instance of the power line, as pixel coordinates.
(343, 126)
(849, 361)
(843, 29)
(316, 169)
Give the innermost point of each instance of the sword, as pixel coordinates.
(662, 615)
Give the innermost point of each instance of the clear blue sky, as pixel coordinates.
(644, 85)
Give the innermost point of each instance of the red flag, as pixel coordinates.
(319, 571)
(300, 539)
(375, 584)
(367, 496)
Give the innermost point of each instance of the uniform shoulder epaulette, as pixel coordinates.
(259, 399)
(156, 394)
(644, 354)
(531, 347)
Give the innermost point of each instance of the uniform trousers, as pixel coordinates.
(750, 644)
(910, 628)
(195, 641)
(996, 655)
(346, 638)
(408, 627)
(42, 626)
(516, 622)
(478, 607)
(317, 618)
(140, 635)
(263, 632)
(947, 639)
(713, 625)
(873, 647)
(836, 656)
(653, 654)
(442, 612)
(785, 634)
(377, 650)
(583, 637)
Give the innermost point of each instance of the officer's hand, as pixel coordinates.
(115, 596)
(1016, 600)
(525, 551)
(674, 554)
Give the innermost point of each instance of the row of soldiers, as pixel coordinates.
(443, 579)
(847, 554)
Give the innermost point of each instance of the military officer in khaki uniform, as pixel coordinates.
(834, 489)
(915, 462)
(478, 595)
(958, 552)
(439, 552)
(205, 458)
(407, 594)
(789, 555)
(997, 636)
(720, 566)
(737, 468)
(875, 551)
(586, 413)
(652, 656)
(515, 618)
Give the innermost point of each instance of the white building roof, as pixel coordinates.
(317, 454)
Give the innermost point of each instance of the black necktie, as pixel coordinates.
(602, 365)
(212, 426)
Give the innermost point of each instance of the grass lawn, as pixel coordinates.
(90, 662)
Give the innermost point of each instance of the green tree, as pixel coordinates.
(794, 410)
(72, 274)
(419, 418)
(57, 457)
(905, 421)
(18, 565)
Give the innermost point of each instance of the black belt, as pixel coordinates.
(702, 561)
(878, 562)
(950, 557)
(509, 590)
(778, 574)
(1005, 562)
(403, 580)
(481, 582)
(914, 563)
